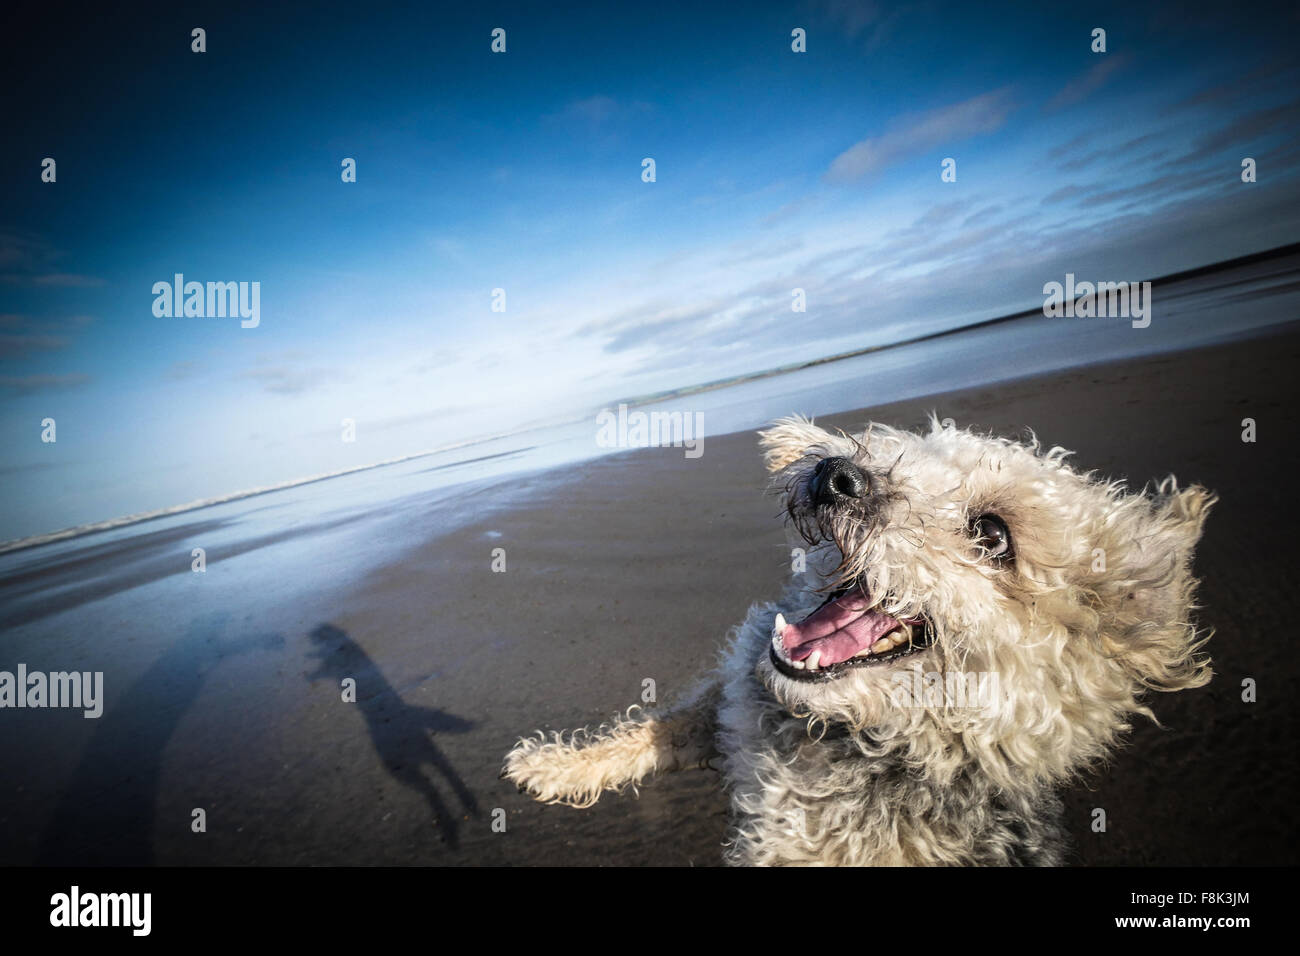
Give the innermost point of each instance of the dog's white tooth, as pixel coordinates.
(814, 659)
(865, 652)
(798, 665)
(778, 626)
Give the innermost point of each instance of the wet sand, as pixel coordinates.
(682, 548)
(225, 691)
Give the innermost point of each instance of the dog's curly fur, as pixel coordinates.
(1094, 610)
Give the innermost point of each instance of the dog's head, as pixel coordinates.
(981, 590)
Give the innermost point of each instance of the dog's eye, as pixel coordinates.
(991, 534)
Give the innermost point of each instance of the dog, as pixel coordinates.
(971, 624)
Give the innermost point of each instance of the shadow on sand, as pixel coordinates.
(105, 816)
(402, 733)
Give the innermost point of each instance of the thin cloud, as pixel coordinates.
(183, 371)
(16, 346)
(1079, 162)
(1259, 81)
(650, 323)
(921, 133)
(1071, 145)
(594, 109)
(862, 21)
(1066, 192)
(282, 380)
(28, 260)
(1243, 133)
(25, 334)
(29, 384)
(982, 215)
(597, 112)
(23, 253)
(1176, 183)
(1094, 79)
(853, 17)
(67, 280)
(1137, 142)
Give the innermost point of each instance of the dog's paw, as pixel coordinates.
(553, 771)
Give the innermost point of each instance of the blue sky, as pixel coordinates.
(522, 171)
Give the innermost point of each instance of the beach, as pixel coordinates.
(224, 689)
(383, 390)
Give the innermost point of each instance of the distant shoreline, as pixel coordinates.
(111, 524)
(1212, 268)
(77, 531)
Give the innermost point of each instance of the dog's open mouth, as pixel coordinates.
(848, 630)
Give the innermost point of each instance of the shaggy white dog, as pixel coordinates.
(972, 623)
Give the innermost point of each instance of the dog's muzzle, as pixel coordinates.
(848, 630)
(836, 482)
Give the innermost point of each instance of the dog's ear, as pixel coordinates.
(1183, 513)
(789, 439)
(1163, 550)
(1155, 637)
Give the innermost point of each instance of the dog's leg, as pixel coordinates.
(575, 769)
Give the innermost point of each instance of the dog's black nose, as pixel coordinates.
(836, 481)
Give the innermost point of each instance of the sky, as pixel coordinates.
(522, 171)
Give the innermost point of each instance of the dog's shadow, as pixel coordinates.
(401, 732)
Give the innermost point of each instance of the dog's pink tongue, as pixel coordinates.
(839, 629)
